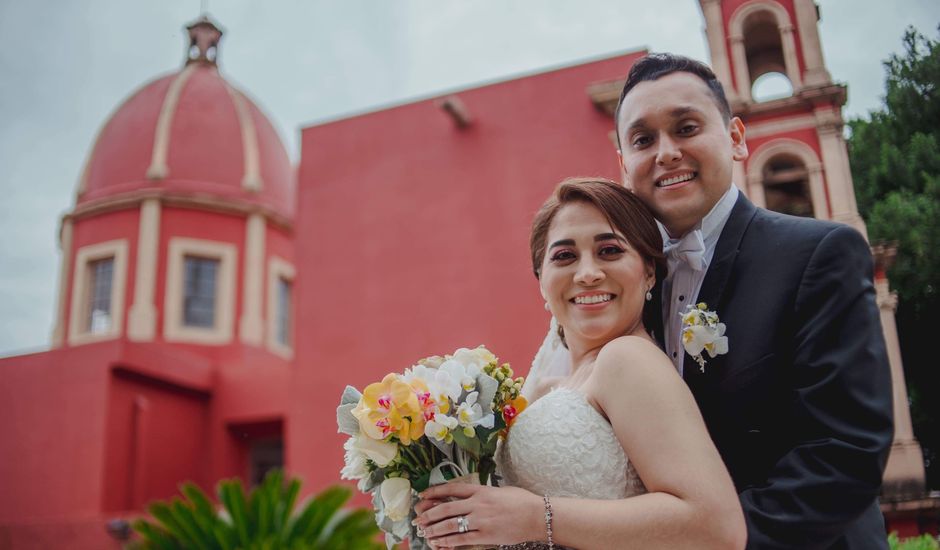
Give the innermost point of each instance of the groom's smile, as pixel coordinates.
(673, 180)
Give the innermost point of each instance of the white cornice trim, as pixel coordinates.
(780, 126)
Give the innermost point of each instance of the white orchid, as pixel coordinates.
(701, 331)
(464, 374)
(441, 428)
(470, 414)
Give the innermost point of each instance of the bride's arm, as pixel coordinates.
(691, 501)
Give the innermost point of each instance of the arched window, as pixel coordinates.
(786, 186)
(771, 86)
(762, 45)
(762, 42)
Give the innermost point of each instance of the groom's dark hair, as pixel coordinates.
(657, 65)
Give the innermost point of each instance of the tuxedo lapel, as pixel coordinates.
(719, 269)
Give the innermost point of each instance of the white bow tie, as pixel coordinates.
(690, 250)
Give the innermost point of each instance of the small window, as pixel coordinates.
(199, 303)
(284, 312)
(98, 281)
(280, 317)
(264, 455)
(100, 277)
(200, 282)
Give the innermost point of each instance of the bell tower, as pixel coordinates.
(768, 56)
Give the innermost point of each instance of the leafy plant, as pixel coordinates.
(263, 520)
(895, 157)
(923, 542)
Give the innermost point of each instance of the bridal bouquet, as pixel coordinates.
(438, 421)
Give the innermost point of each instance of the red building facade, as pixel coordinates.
(214, 301)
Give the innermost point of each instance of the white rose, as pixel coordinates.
(396, 496)
(380, 452)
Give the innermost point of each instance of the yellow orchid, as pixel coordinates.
(390, 407)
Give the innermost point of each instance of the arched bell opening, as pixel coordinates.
(786, 186)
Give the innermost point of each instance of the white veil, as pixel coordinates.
(552, 361)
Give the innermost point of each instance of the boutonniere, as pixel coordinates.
(701, 331)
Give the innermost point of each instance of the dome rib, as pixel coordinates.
(161, 139)
(252, 179)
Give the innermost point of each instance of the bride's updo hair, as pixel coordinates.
(625, 212)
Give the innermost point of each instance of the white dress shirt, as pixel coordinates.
(688, 258)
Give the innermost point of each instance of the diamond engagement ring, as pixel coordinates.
(462, 524)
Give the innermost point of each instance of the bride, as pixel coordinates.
(616, 455)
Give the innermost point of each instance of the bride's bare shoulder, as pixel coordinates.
(633, 352)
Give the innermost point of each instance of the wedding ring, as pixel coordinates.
(420, 532)
(462, 524)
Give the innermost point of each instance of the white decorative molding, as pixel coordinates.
(174, 329)
(142, 321)
(781, 126)
(78, 333)
(786, 146)
(715, 33)
(835, 158)
(279, 269)
(806, 21)
(221, 205)
(65, 248)
(252, 177)
(161, 138)
(251, 326)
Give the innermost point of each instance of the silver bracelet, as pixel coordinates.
(548, 521)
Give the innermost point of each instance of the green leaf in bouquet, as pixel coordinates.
(421, 482)
(469, 444)
(486, 469)
(498, 423)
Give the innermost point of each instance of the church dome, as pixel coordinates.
(191, 134)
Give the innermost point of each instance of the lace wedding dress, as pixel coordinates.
(561, 446)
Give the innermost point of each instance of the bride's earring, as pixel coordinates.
(546, 307)
(649, 295)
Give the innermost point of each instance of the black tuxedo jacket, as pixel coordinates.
(800, 406)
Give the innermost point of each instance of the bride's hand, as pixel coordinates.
(493, 515)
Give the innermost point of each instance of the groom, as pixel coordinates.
(800, 405)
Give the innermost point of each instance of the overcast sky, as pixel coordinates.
(65, 66)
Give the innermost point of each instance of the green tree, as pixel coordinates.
(895, 157)
(263, 520)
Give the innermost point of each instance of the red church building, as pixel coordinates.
(214, 300)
